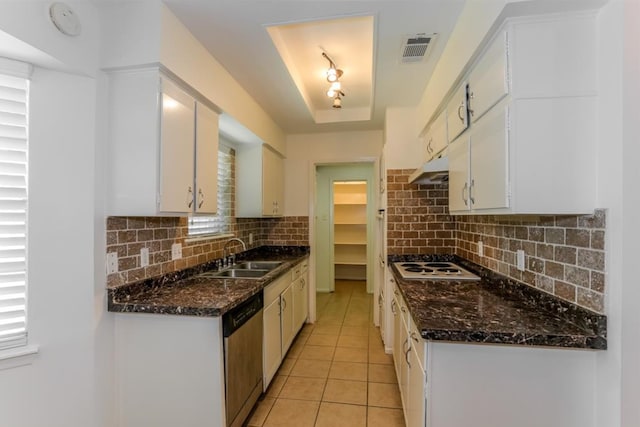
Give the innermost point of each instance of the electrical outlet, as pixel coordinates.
(112, 262)
(144, 257)
(251, 238)
(176, 251)
(520, 260)
(480, 248)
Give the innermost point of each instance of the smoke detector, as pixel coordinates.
(416, 47)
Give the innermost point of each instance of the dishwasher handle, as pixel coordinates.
(238, 316)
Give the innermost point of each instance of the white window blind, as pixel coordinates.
(14, 91)
(221, 222)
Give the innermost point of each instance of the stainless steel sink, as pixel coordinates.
(257, 265)
(234, 273)
(243, 270)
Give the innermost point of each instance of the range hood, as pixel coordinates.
(435, 171)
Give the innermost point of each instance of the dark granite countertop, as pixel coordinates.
(496, 310)
(184, 293)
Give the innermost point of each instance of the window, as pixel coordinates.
(221, 222)
(14, 95)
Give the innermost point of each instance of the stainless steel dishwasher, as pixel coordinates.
(242, 330)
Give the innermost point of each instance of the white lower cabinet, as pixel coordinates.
(415, 388)
(300, 296)
(408, 350)
(447, 384)
(272, 347)
(284, 313)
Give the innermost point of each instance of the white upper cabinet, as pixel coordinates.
(479, 165)
(259, 182)
(457, 118)
(206, 177)
(162, 147)
(435, 139)
(459, 178)
(489, 79)
(177, 136)
(531, 146)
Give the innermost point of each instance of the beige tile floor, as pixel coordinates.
(336, 372)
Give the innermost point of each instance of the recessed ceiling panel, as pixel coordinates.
(349, 42)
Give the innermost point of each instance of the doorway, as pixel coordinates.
(344, 224)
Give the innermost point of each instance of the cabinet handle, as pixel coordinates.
(473, 184)
(403, 308)
(414, 337)
(284, 304)
(302, 283)
(393, 307)
(189, 197)
(380, 300)
(461, 107)
(464, 194)
(406, 357)
(200, 198)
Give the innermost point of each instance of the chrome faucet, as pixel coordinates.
(233, 239)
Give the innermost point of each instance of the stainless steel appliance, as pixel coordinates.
(433, 270)
(242, 331)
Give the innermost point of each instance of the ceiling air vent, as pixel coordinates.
(415, 47)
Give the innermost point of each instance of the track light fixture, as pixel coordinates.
(333, 77)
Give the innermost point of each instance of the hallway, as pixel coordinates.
(336, 373)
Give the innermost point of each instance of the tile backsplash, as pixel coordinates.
(418, 220)
(127, 235)
(564, 255)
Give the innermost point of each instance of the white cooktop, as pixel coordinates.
(433, 270)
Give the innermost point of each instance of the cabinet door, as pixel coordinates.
(489, 187)
(272, 183)
(403, 379)
(459, 174)
(386, 321)
(397, 336)
(439, 133)
(286, 318)
(457, 119)
(300, 303)
(206, 178)
(416, 394)
(177, 140)
(489, 80)
(272, 347)
(304, 298)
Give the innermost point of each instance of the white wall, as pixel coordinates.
(305, 150)
(610, 189)
(69, 382)
(629, 297)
